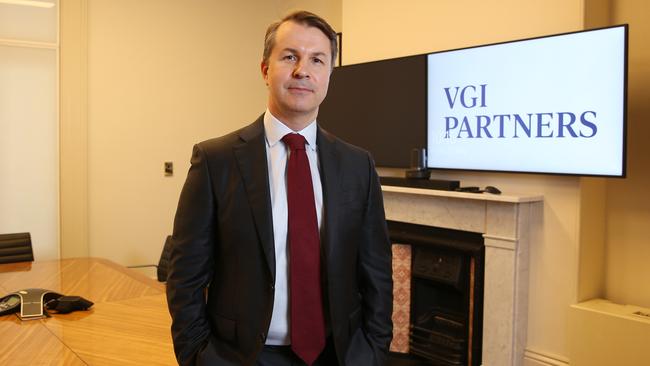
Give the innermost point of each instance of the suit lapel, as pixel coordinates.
(251, 159)
(330, 177)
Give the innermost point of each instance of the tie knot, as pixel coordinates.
(294, 141)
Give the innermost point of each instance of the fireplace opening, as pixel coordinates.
(438, 298)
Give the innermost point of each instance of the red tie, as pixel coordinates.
(306, 306)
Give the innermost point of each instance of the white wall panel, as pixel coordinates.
(29, 146)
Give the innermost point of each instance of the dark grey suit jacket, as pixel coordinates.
(223, 238)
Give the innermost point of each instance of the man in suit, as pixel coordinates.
(243, 241)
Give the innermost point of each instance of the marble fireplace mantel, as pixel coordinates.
(509, 224)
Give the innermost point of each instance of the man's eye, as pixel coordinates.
(289, 57)
(318, 61)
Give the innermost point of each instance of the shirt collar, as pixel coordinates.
(274, 130)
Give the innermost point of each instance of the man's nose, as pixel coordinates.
(300, 71)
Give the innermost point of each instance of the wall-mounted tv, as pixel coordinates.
(380, 106)
(553, 104)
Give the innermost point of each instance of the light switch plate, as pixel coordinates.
(169, 168)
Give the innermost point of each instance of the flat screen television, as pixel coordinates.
(380, 106)
(554, 104)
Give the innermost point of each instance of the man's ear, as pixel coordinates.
(265, 71)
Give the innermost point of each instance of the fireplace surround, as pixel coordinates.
(509, 225)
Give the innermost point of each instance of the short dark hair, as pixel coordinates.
(305, 18)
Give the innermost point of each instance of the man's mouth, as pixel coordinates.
(300, 89)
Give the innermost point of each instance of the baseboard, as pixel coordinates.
(538, 358)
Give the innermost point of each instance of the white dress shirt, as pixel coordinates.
(276, 155)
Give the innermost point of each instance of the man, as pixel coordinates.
(281, 254)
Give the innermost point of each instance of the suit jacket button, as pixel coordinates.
(263, 337)
(272, 286)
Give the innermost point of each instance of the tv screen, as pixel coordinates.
(380, 106)
(555, 104)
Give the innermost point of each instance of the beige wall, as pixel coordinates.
(376, 30)
(73, 129)
(161, 76)
(628, 200)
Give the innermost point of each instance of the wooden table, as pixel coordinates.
(128, 325)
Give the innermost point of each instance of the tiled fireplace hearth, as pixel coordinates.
(509, 225)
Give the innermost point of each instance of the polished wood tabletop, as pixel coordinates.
(128, 325)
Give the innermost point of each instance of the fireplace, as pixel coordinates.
(442, 270)
(508, 225)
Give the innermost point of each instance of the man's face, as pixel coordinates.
(297, 73)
